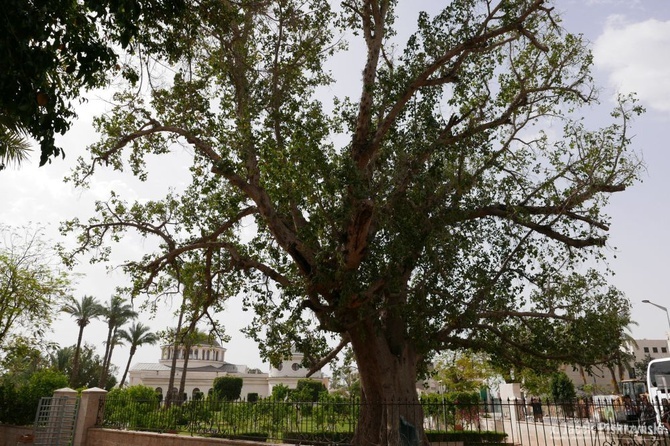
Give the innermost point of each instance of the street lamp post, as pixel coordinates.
(667, 315)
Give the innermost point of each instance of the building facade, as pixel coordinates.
(600, 378)
(206, 362)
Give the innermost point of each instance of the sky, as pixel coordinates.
(631, 47)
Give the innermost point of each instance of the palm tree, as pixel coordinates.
(117, 313)
(137, 335)
(83, 312)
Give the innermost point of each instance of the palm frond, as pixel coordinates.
(14, 147)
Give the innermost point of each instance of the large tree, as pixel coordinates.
(451, 200)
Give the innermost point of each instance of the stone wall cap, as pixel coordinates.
(94, 390)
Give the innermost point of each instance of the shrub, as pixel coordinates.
(468, 437)
(280, 392)
(308, 390)
(19, 401)
(562, 388)
(227, 388)
(340, 438)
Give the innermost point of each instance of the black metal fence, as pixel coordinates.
(333, 420)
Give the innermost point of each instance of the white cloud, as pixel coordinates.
(637, 59)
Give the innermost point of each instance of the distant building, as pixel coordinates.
(656, 348)
(600, 378)
(207, 362)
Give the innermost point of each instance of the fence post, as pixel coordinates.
(90, 411)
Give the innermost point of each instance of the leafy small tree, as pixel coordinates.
(462, 371)
(562, 388)
(31, 286)
(563, 392)
(227, 388)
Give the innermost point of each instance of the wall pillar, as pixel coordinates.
(90, 414)
(512, 400)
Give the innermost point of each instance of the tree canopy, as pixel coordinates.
(452, 198)
(52, 51)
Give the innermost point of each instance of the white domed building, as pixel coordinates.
(207, 362)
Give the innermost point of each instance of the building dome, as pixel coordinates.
(199, 355)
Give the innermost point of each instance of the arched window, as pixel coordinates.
(196, 394)
(208, 355)
(195, 354)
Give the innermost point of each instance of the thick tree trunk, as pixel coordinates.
(391, 413)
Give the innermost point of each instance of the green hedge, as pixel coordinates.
(468, 437)
(343, 438)
(340, 438)
(251, 436)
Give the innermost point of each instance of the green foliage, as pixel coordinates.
(136, 393)
(53, 50)
(19, 400)
(462, 371)
(562, 388)
(31, 286)
(280, 392)
(308, 390)
(535, 383)
(345, 379)
(135, 407)
(90, 366)
(227, 388)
